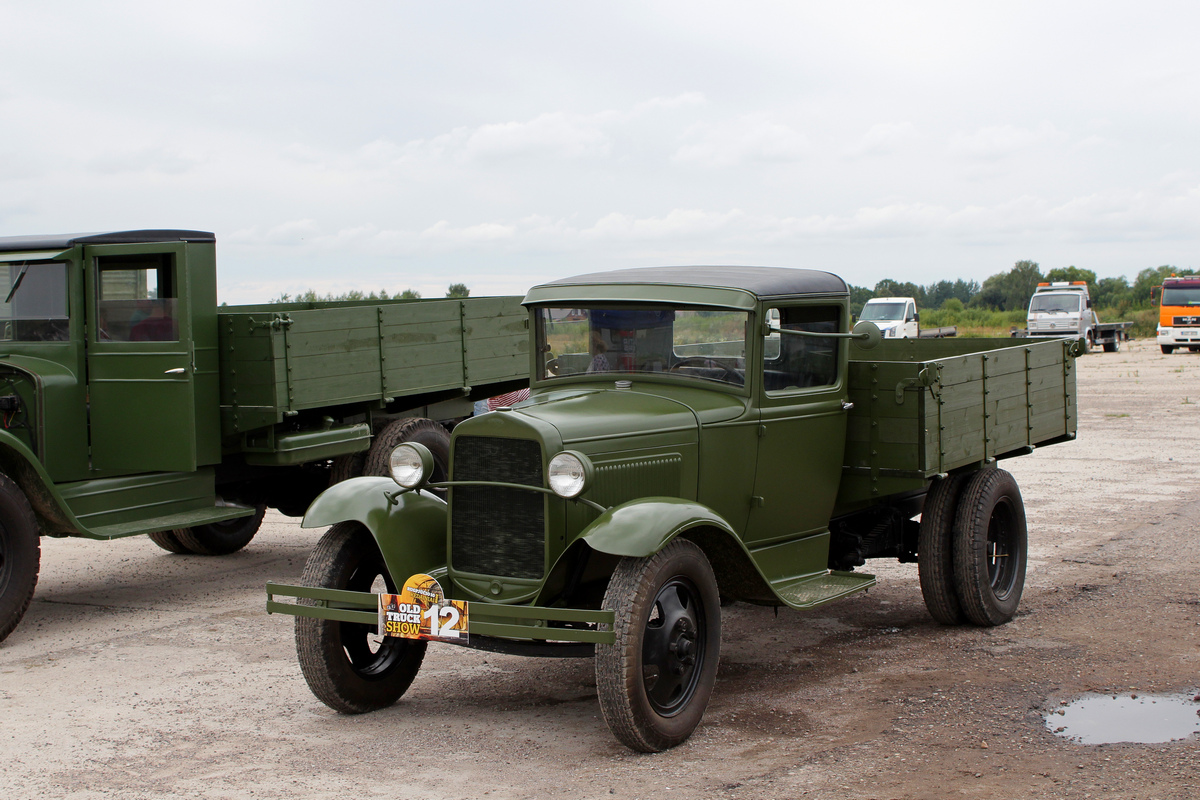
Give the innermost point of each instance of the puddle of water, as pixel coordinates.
(1141, 718)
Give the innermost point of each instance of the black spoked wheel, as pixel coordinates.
(655, 680)
(935, 550)
(20, 555)
(348, 666)
(990, 547)
(219, 538)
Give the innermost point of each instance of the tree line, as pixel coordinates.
(1011, 290)
(310, 296)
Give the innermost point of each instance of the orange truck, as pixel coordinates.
(1179, 313)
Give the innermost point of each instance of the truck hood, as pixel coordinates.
(585, 415)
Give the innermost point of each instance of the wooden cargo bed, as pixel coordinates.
(924, 407)
(277, 360)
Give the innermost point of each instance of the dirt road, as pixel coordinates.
(143, 674)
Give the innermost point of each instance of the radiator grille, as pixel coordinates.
(494, 530)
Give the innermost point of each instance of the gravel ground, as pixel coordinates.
(137, 673)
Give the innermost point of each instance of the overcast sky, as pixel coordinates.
(392, 145)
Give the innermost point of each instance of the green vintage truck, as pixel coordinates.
(695, 436)
(132, 404)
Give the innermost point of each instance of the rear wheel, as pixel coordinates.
(20, 555)
(655, 680)
(990, 545)
(935, 550)
(348, 666)
(168, 541)
(346, 467)
(220, 538)
(418, 429)
(1113, 346)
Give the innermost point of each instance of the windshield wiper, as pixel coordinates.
(17, 283)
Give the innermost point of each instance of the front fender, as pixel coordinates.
(642, 527)
(410, 532)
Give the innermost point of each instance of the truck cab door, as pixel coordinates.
(140, 362)
(802, 432)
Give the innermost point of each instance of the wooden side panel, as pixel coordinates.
(277, 360)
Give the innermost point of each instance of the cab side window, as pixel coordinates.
(137, 300)
(801, 362)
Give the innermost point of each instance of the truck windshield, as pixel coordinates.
(34, 307)
(1052, 303)
(882, 311)
(1181, 297)
(707, 344)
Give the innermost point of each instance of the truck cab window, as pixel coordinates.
(801, 362)
(34, 307)
(704, 343)
(137, 301)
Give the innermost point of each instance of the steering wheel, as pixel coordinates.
(728, 374)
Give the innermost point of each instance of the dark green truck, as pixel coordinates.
(132, 404)
(695, 436)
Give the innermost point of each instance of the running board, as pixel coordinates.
(187, 519)
(818, 589)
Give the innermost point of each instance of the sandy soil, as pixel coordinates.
(143, 674)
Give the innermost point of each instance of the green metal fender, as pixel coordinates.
(642, 527)
(410, 530)
(22, 466)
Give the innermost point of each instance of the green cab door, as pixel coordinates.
(802, 430)
(140, 363)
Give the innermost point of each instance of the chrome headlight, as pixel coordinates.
(570, 474)
(411, 464)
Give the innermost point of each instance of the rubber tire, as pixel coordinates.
(20, 555)
(168, 541)
(347, 557)
(620, 680)
(1167, 349)
(1087, 343)
(1194, 349)
(346, 467)
(935, 550)
(221, 538)
(1113, 346)
(417, 429)
(990, 505)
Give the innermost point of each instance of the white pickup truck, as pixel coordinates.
(897, 318)
(1064, 308)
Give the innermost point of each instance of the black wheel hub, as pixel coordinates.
(673, 647)
(371, 656)
(1002, 556)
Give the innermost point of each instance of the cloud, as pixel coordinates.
(746, 140)
(882, 139)
(556, 135)
(1002, 141)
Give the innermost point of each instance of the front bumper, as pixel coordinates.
(1179, 336)
(491, 620)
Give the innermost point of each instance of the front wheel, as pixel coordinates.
(20, 555)
(990, 547)
(1167, 349)
(655, 680)
(348, 666)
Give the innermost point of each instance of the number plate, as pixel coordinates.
(421, 611)
(1188, 333)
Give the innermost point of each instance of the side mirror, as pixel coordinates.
(917, 316)
(866, 335)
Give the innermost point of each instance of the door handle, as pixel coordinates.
(176, 371)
